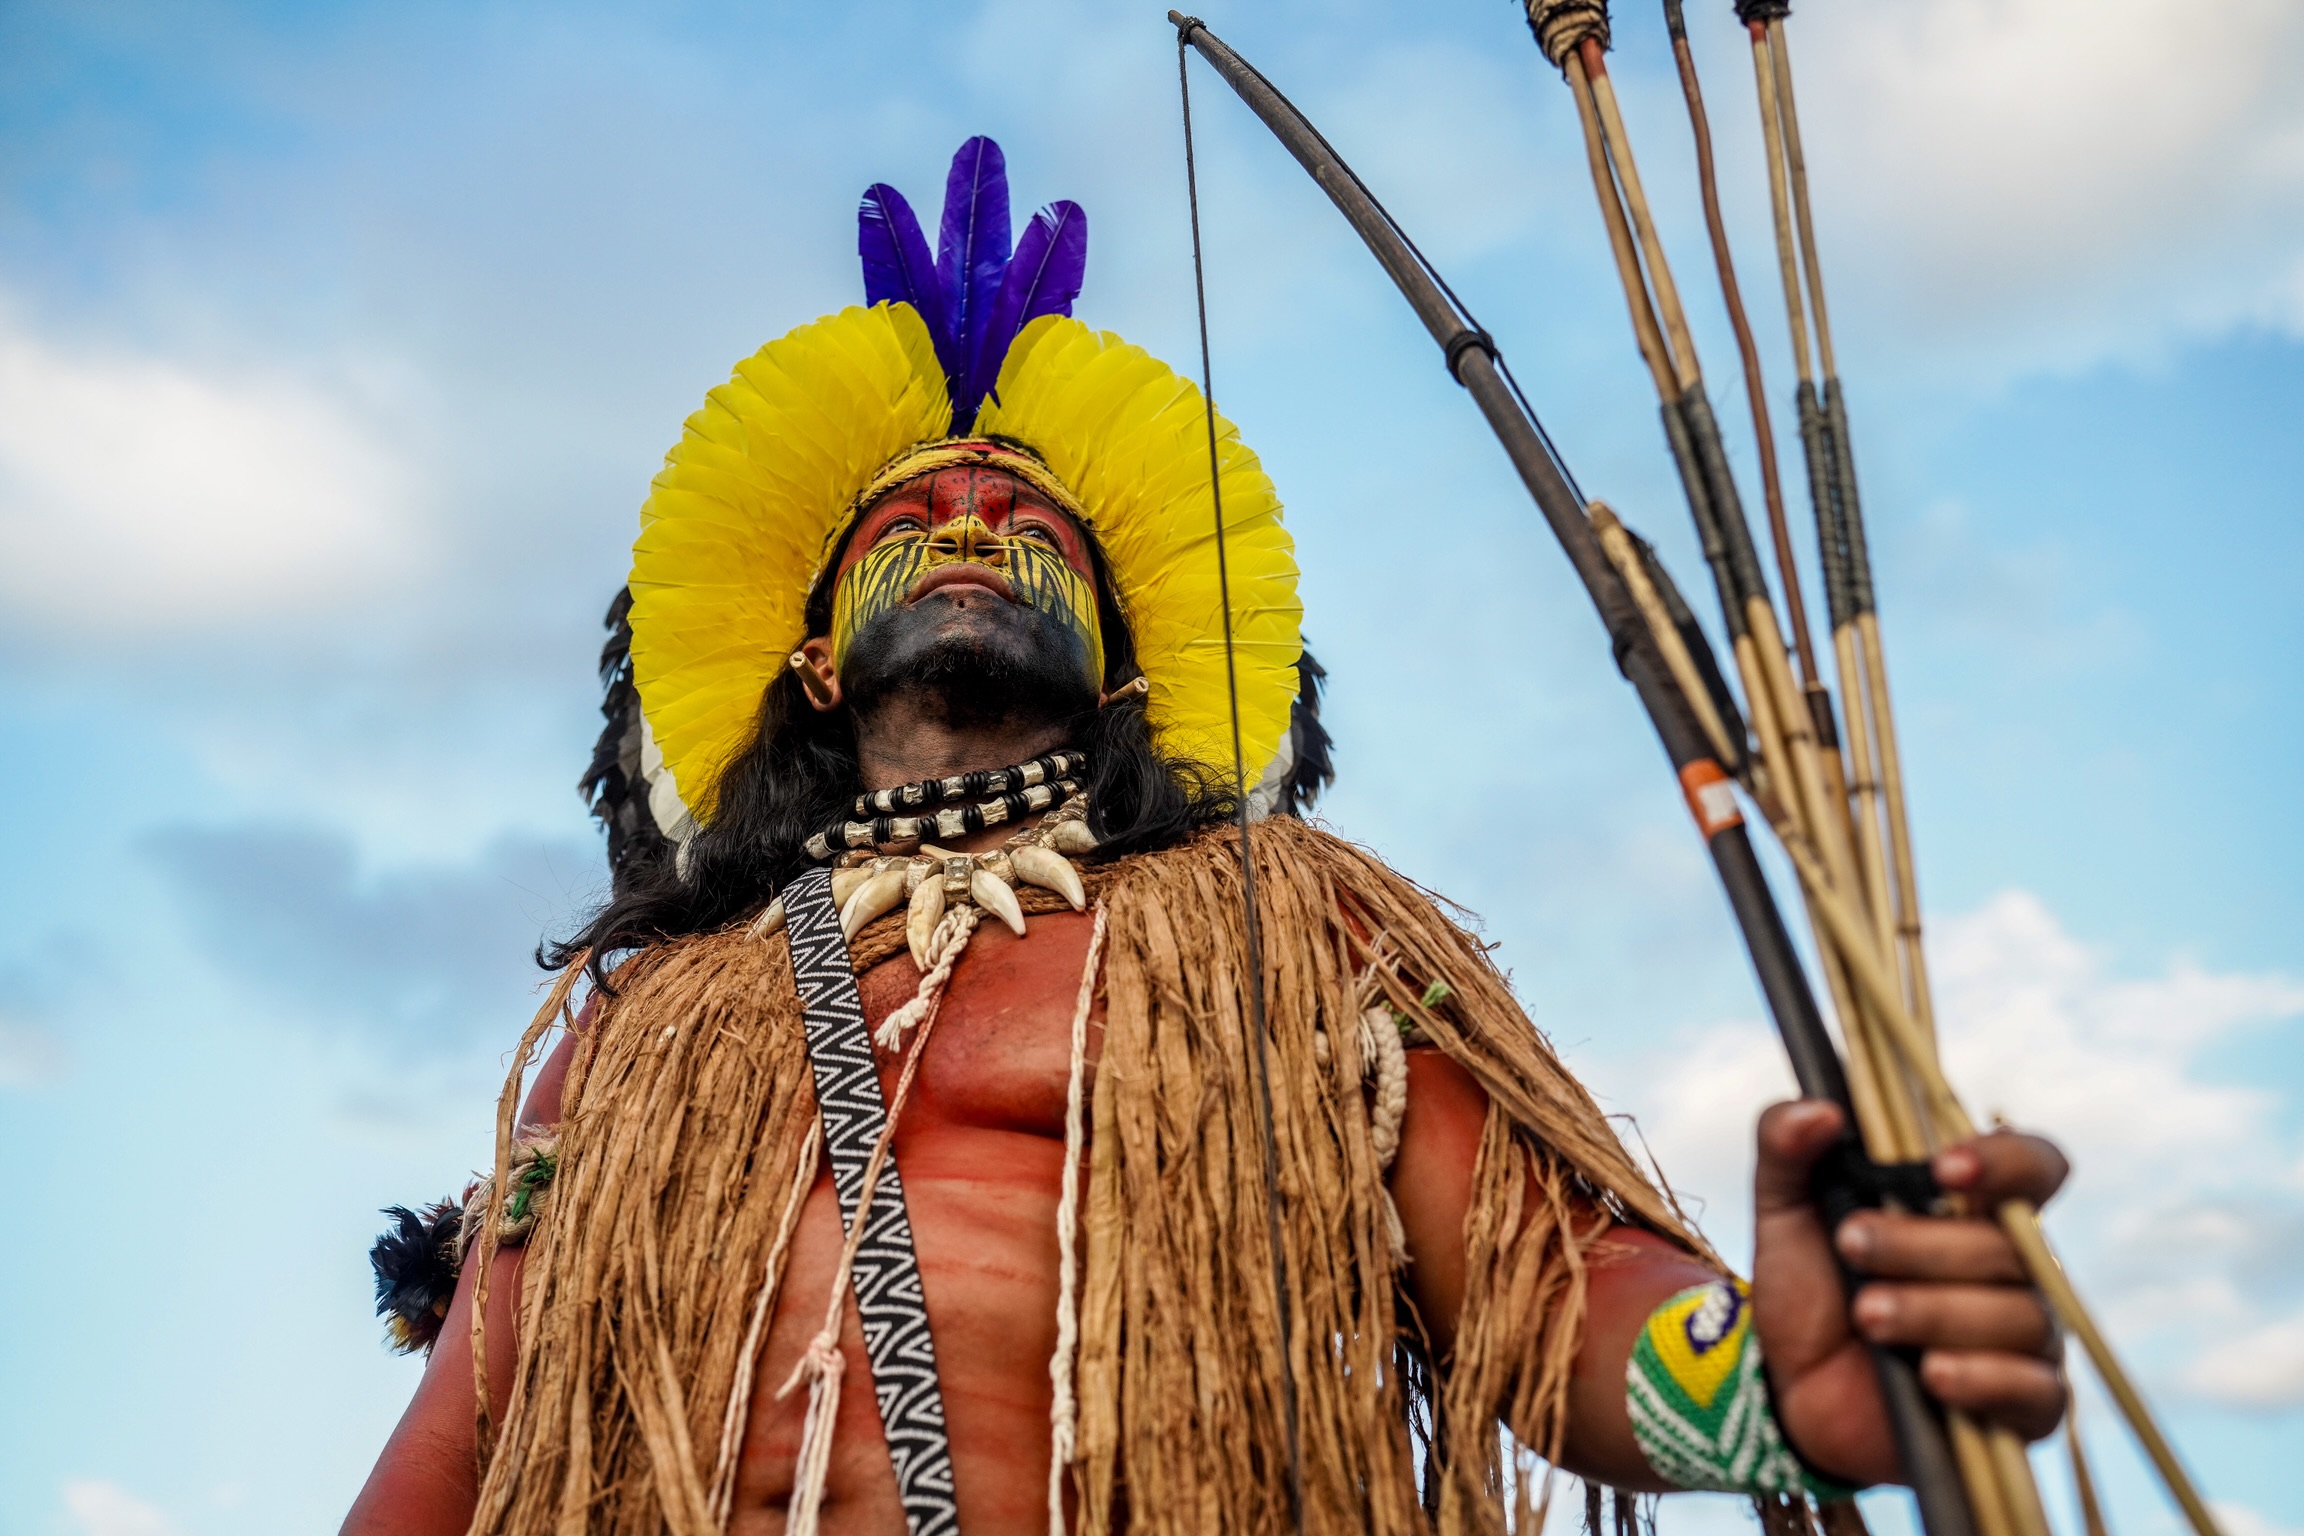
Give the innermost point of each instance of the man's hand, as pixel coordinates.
(1952, 1288)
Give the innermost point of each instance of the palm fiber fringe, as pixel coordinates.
(688, 1110)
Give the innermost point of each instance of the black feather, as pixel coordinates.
(1314, 765)
(415, 1264)
(612, 784)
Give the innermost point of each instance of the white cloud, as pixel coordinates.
(138, 492)
(2062, 178)
(2263, 1368)
(2240, 1520)
(28, 1056)
(1695, 1109)
(2037, 1030)
(106, 1509)
(2185, 1214)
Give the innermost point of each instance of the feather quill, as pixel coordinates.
(896, 264)
(972, 251)
(1043, 278)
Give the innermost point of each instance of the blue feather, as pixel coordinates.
(896, 265)
(972, 252)
(1043, 279)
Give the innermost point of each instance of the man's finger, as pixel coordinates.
(2000, 1317)
(1792, 1137)
(2022, 1392)
(2004, 1165)
(1928, 1248)
(1797, 1300)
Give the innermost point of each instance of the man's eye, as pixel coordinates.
(902, 527)
(1040, 531)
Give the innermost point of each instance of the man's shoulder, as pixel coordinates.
(1289, 845)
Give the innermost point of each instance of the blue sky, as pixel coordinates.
(338, 343)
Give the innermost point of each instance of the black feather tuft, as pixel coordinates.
(612, 784)
(1314, 765)
(416, 1261)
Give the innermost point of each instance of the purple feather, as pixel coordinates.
(1043, 279)
(976, 295)
(972, 251)
(896, 265)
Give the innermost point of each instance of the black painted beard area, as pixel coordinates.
(969, 659)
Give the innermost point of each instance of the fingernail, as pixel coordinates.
(1875, 1310)
(1958, 1167)
(1858, 1241)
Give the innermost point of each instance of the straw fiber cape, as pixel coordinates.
(687, 1145)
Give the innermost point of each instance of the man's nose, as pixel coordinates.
(967, 537)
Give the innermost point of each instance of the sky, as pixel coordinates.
(338, 344)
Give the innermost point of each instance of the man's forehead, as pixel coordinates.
(991, 494)
(982, 488)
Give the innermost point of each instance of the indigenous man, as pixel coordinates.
(940, 1149)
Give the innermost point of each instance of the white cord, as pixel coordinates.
(1063, 1408)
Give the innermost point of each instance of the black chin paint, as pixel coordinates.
(968, 657)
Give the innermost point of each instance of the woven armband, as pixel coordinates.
(1698, 1397)
(535, 1159)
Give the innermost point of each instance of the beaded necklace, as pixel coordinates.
(949, 821)
(1044, 769)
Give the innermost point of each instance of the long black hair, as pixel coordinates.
(800, 773)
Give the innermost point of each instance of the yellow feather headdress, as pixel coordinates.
(772, 471)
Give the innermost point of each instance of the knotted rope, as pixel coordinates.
(1384, 1057)
(1560, 25)
(1063, 1407)
(945, 945)
(1388, 1060)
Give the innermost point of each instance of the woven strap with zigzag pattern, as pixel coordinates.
(889, 1301)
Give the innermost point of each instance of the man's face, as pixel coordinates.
(970, 582)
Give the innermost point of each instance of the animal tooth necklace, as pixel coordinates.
(931, 880)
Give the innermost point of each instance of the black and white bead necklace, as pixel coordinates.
(1044, 769)
(946, 822)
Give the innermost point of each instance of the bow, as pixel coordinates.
(1842, 824)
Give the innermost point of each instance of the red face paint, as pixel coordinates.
(976, 524)
(1005, 505)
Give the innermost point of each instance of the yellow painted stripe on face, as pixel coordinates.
(1039, 575)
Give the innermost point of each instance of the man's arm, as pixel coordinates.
(1951, 1288)
(1432, 1185)
(427, 1481)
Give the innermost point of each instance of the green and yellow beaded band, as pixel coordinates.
(1699, 1399)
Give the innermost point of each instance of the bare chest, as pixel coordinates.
(999, 1057)
(981, 1147)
